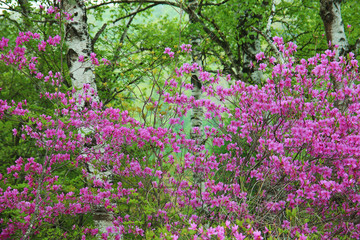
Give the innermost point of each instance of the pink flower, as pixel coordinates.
(94, 60)
(57, 39)
(171, 54)
(262, 66)
(168, 51)
(260, 56)
(186, 48)
(239, 236)
(193, 226)
(211, 231)
(36, 36)
(105, 61)
(302, 237)
(286, 224)
(272, 60)
(50, 10)
(3, 43)
(32, 66)
(251, 65)
(278, 40)
(42, 46)
(68, 16)
(81, 58)
(54, 40)
(257, 235)
(39, 75)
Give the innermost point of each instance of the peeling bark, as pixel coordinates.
(196, 118)
(330, 12)
(79, 43)
(197, 112)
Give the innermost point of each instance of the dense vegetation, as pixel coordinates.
(218, 120)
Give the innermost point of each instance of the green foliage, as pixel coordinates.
(138, 71)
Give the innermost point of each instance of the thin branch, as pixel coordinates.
(101, 30)
(124, 35)
(121, 90)
(216, 4)
(97, 35)
(136, 12)
(135, 1)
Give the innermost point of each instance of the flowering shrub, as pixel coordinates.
(280, 160)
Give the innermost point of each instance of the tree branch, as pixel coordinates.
(124, 35)
(136, 1)
(215, 4)
(136, 12)
(97, 35)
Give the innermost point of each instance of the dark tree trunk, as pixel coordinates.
(330, 12)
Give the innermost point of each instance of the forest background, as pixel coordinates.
(140, 49)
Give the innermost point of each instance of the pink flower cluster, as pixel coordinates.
(169, 52)
(272, 154)
(94, 59)
(186, 48)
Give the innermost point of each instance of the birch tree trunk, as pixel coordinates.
(330, 12)
(197, 112)
(79, 43)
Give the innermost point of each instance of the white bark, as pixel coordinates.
(197, 112)
(330, 12)
(79, 43)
